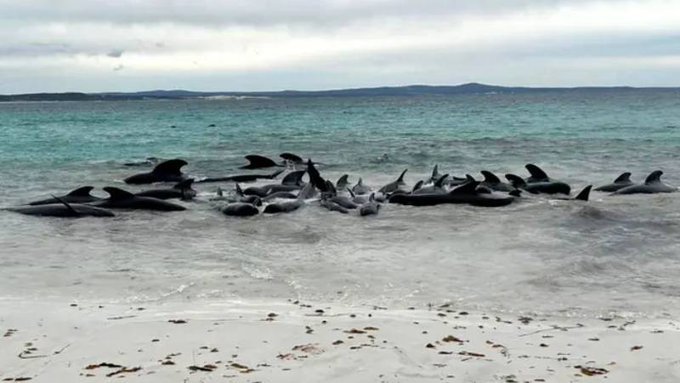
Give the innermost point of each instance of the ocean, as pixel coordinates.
(613, 255)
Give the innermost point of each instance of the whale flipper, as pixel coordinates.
(440, 182)
(80, 192)
(584, 194)
(537, 174)
(118, 194)
(624, 177)
(292, 158)
(490, 177)
(653, 177)
(68, 206)
(293, 178)
(171, 167)
(258, 162)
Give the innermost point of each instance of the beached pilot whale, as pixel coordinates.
(243, 209)
(288, 206)
(166, 171)
(468, 193)
(652, 185)
(369, 208)
(80, 195)
(394, 185)
(181, 190)
(619, 183)
(62, 209)
(538, 182)
(121, 199)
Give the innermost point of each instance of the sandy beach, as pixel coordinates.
(309, 342)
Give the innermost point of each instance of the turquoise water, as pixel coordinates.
(614, 254)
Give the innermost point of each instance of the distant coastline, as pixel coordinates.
(399, 91)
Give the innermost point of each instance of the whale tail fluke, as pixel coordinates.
(584, 194)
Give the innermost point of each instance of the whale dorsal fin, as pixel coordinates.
(536, 172)
(361, 182)
(515, 180)
(435, 171)
(342, 181)
(653, 177)
(625, 177)
(68, 206)
(291, 157)
(186, 184)
(81, 191)
(258, 161)
(219, 192)
(170, 167)
(469, 187)
(440, 181)
(584, 194)
(490, 177)
(401, 177)
(351, 193)
(293, 178)
(117, 194)
(470, 178)
(417, 186)
(371, 198)
(239, 191)
(330, 188)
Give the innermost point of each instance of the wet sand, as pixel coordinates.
(274, 341)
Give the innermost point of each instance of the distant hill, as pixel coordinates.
(411, 90)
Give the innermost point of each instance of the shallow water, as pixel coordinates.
(613, 254)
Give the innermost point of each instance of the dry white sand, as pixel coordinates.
(299, 342)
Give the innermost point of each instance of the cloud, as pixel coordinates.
(116, 53)
(337, 43)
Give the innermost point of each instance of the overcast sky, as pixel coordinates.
(126, 45)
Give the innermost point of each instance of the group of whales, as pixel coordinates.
(293, 192)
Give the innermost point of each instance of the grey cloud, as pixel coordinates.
(116, 53)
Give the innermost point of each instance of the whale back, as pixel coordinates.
(291, 157)
(653, 177)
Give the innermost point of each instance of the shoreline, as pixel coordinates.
(295, 341)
